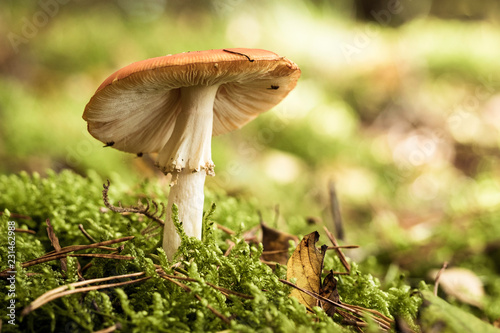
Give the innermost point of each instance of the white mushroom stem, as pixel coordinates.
(187, 156)
(188, 195)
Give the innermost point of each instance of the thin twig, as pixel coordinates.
(188, 289)
(271, 264)
(250, 235)
(436, 281)
(230, 248)
(110, 329)
(375, 312)
(108, 248)
(276, 215)
(63, 290)
(149, 236)
(79, 270)
(139, 209)
(54, 255)
(225, 291)
(225, 229)
(150, 228)
(334, 206)
(339, 252)
(275, 252)
(54, 240)
(86, 234)
(343, 247)
(26, 231)
(72, 248)
(383, 321)
(65, 255)
(18, 216)
(90, 264)
(239, 53)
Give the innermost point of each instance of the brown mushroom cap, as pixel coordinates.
(135, 109)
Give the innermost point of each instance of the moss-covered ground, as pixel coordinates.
(157, 304)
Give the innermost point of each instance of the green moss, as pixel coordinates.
(438, 314)
(158, 304)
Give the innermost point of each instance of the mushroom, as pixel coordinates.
(172, 105)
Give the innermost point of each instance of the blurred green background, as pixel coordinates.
(398, 105)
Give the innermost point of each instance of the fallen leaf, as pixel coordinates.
(305, 265)
(329, 290)
(461, 283)
(276, 244)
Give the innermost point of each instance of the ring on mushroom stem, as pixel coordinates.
(173, 105)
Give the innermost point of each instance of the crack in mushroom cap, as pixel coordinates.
(137, 106)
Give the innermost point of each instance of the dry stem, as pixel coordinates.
(139, 209)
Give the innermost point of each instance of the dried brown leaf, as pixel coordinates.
(305, 265)
(276, 244)
(329, 290)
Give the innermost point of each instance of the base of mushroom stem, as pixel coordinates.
(187, 193)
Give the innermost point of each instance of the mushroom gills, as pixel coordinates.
(189, 145)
